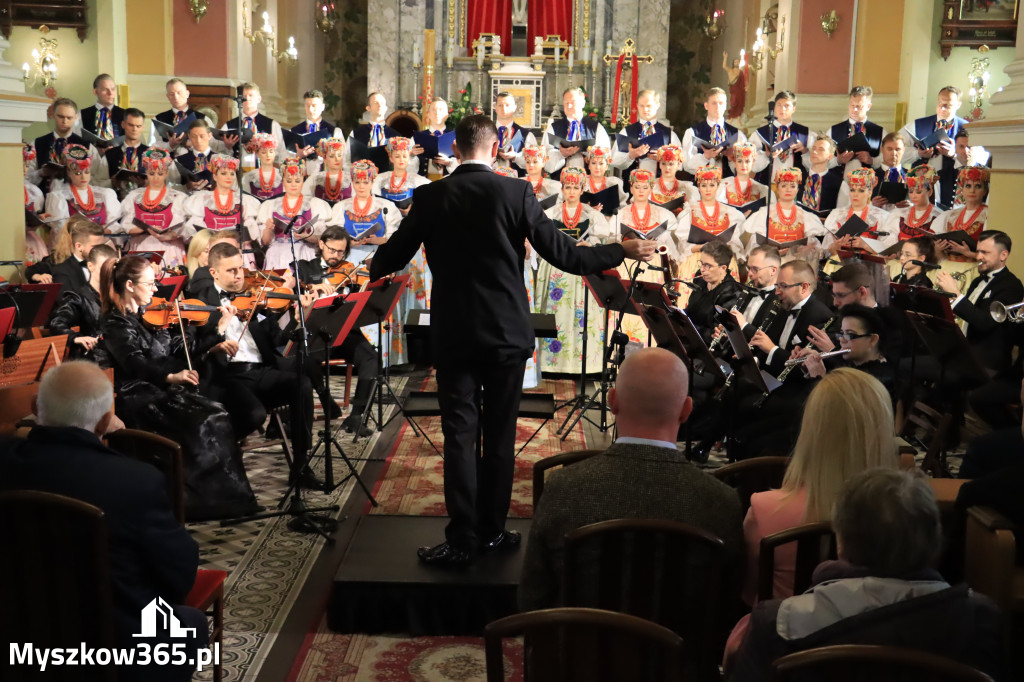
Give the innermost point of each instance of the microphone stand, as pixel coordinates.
(771, 167)
(304, 519)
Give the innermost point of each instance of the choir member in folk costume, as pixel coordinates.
(35, 243)
(264, 182)
(155, 391)
(784, 128)
(128, 154)
(50, 147)
(310, 215)
(669, 187)
(510, 150)
(860, 182)
(942, 156)
(921, 249)
(599, 181)
(709, 215)
(177, 96)
(316, 128)
(786, 221)
(574, 127)
(252, 119)
(103, 119)
(823, 182)
(78, 196)
(643, 220)
(369, 221)
(375, 132)
(223, 207)
(331, 183)
(196, 160)
(971, 218)
(856, 124)
(397, 186)
(645, 156)
(740, 188)
(713, 130)
(79, 311)
(531, 377)
(917, 219)
(154, 215)
(535, 158)
(563, 294)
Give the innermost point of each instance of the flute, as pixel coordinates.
(793, 362)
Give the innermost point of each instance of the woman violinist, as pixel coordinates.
(154, 215)
(156, 391)
(310, 214)
(82, 307)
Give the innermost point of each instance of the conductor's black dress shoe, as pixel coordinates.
(506, 539)
(445, 556)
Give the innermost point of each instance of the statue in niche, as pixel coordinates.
(519, 12)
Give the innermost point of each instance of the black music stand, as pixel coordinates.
(745, 365)
(611, 294)
(664, 332)
(331, 320)
(947, 344)
(378, 310)
(32, 302)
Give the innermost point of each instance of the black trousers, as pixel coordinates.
(357, 352)
(478, 398)
(248, 395)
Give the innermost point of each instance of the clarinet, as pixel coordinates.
(789, 367)
(718, 343)
(765, 323)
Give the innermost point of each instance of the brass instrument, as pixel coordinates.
(962, 276)
(1001, 312)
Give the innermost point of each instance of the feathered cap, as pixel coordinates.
(364, 170)
(77, 157)
(861, 178)
(261, 142)
(155, 159)
(504, 170)
(223, 162)
(707, 173)
(293, 166)
(573, 176)
(788, 175)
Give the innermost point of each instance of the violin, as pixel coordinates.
(264, 296)
(347, 275)
(255, 278)
(161, 313)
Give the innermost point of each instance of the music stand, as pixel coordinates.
(33, 303)
(745, 365)
(611, 293)
(703, 361)
(921, 300)
(945, 341)
(6, 321)
(169, 287)
(384, 295)
(330, 321)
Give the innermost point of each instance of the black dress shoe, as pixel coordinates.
(445, 555)
(308, 480)
(506, 539)
(353, 424)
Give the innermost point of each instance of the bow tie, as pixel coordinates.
(766, 293)
(793, 313)
(226, 296)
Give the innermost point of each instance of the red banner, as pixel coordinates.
(489, 16)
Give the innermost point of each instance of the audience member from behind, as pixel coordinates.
(883, 590)
(151, 554)
(642, 475)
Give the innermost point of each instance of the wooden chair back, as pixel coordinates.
(990, 564)
(542, 466)
(162, 453)
(815, 542)
(931, 428)
(585, 645)
(55, 584)
(754, 475)
(863, 663)
(664, 571)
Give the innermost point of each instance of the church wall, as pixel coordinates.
(877, 45)
(823, 62)
(150, 44)
(201, 49)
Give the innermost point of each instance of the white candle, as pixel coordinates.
(558, 49)
(480, 56)
(597, 60)
(450, 56)
(24, 67)
(415, 53)
(609, 48)
(570, 59)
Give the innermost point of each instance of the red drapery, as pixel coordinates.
(548, 18)
(489, 16)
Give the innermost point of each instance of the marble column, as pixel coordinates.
(382, 57)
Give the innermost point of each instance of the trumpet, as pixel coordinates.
(1001, 312)
(793, 362)
(962, 276)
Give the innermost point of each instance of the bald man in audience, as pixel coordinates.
(642, 475)
(151, 555)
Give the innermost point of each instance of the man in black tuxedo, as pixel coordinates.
(355, 349)
(249, 376)
(151, 554)
(992, 341)
(72, 273)
(480, 324)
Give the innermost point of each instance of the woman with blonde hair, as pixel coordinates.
(199, 276)
(847, 428)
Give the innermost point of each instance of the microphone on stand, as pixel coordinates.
(926, 266)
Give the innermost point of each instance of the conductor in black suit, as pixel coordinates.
(474, 225)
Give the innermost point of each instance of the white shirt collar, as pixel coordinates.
(633, 440)
(719, 122)
(479, 162)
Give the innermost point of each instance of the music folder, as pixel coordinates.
(936, 138)
(608, 198)
(854, 143)
(655, 141)
(894, 192)
(165, 130)
(377, 155)
(580, 145)
(435, 145)
(762, 240)
(97, 141)
(729, 141)
(245, 134)
(628, 232)
(700, 236)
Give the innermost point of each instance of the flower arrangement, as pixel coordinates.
(590, 110)
(462, 106)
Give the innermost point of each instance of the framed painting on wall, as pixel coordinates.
(973, 23)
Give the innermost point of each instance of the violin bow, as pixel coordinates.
(184, 339)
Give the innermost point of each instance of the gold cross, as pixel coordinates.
(627, 51)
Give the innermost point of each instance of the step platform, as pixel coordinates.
(382, 587)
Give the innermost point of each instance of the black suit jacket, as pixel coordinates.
(479, 308)
(151, 554)
(116, 119)
(70, 273)
(701, 306)
(813, 312)
(265, 333)
(993, 341)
